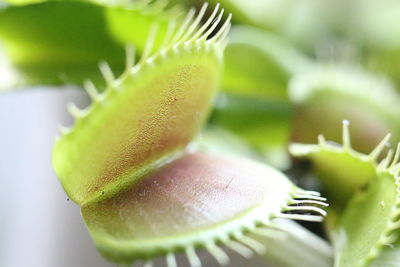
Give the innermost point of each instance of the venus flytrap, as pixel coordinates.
(367, 192)
(340, 168)
(144, 116)
(143, 193)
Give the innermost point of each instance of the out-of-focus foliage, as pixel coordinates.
(57, 42)
(54, 42)
(325, 97)
(303, 22)
(254, 103)
(259, 64)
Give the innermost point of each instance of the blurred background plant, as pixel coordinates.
(293, 69)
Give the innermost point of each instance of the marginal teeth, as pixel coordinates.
(346, 135)
(301, 196)
(130, 56)
(223, 32)
(240, 249)
(206, 24)
(91, 90)
(321, 140)
(195, 23)
(396, 156)
(183, 27)
(169, 34)
(149, 44)
(75, 111)
(171, 261)
(309, 201)
(379, 148)
(253, 244)
(107, 73)
(306, 208)
(307, 192)
(384, 164)
(301, 217)
(213, 26)
(220, 255)
(194, 260)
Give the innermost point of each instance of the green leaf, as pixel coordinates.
(370, 221)
(145, 117)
